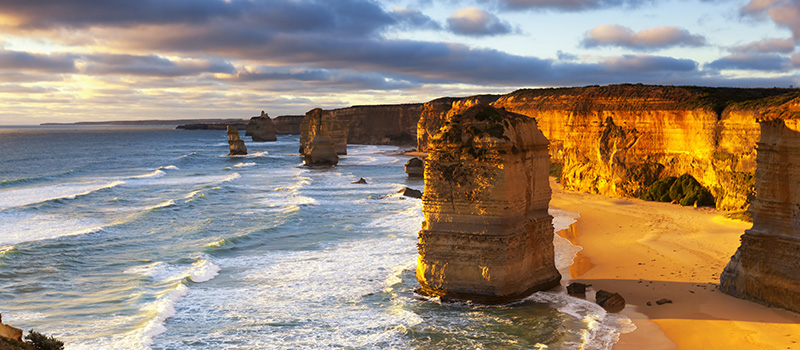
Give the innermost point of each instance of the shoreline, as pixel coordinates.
(648, 251)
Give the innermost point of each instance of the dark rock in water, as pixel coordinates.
(410, 192)
(360, 181)
(237, 147)
(663, 301)
(415, 167)
(577, 288)
(261, 128)
(611, 302)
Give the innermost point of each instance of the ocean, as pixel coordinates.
(154, 238)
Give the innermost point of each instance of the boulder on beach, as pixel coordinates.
(611, 302)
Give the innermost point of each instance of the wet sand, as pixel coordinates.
(648, 251)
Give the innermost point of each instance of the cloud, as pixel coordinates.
(413, 18)
(152, 65)
(785, 13)
(758, 62)
(566, 5)
(771, 45)
(15, 61)
(476, 22)
(332, 79)
(646, 39)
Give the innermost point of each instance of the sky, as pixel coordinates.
(95, 60)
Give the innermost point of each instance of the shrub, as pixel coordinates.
(684, 190)
(40, 341)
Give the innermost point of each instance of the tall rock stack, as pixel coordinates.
(487, 236)
(324, 122)
(319, 148)
(237, 146)
(766, 268)
(261, 128)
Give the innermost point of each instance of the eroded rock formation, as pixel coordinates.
(766, 267)
(619, 139)
(319, 121)
(435, 113)
(415, 168)
(237, 147)
(319, 148)
(487, 236)
(261, 129)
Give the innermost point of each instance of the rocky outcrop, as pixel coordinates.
(9, 332)
(237, 147)
(619, 139)
(487, 236)
(765, 267)
(319, 149)
(379, 124)
(611, 302)
(288, 124)
(415, 168)
(435, 113)
(319, 121)
(261, 129)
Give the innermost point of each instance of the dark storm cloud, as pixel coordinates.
(14, 61)
(759, 62)
(471, 21)
(645, 39)
(331, 78)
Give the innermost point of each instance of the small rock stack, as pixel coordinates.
(415, 168)
(237, 146)
(261, 128)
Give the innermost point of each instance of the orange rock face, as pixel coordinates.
(487, 236)
(379, 124)
(765, 267)
(237, 147)
(319, 121)
(320, 148)
(261, 128)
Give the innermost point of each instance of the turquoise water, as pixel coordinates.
(153, 238)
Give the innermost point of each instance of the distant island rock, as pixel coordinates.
(261, 129)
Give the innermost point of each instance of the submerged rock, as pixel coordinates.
(360, 181)
(611, 302)
(237, 147)
(410, 192)
(261, 128)
(487, 236)
(577, 288)
(415, 167)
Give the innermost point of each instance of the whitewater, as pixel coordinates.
(152, 238)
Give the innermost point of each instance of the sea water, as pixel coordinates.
(153, 238)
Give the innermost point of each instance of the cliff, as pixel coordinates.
(618, 139)
(288, 124)
(319, 148)
(436, 112)
(260, 128)
(379, 124)
(765, 267)
(487, 236)
(318, 120)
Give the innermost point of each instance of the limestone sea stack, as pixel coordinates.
(319, 148)
(766, 267)
(318, 120)
(261, 128)
(415, 168)
(487, 236)
(237, 146)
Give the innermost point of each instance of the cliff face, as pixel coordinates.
(261, 129)
(765, 267)
(617, 140)
(319, 149)
(379, 125)
(288, 124)
(436, 112)
(318, 120)
(487, 236)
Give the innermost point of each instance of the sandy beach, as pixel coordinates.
(648, 251)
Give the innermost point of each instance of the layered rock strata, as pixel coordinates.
(319, 149)
(618, 139)
(487, 236)
(320, 121)
(766, 267)
(288, 124)
(237, 147)
(436, 112)
(260, 128)
(379, 124)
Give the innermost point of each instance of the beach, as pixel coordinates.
(648, 251)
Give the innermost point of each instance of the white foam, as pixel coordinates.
(244, 165)
(203, 271)
(154, 173)
(258, 154)
(168, 203)
(19, 227)
(19, 197)
(562, 219)
(169, 167)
